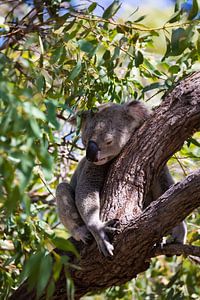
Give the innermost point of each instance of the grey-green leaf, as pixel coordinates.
(76, 70)
(111, 10)
(194, 10)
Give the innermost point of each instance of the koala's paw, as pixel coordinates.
(81, 234)
(100, 232)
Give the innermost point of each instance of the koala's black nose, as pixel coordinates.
(92, 151)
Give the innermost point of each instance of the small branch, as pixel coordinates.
(139, 27)
(181, 165)
(42, 198)
(176, 249)
(12, 10)
(45, 184)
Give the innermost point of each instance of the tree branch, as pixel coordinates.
(176, 249)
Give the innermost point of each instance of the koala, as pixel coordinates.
(104, 134)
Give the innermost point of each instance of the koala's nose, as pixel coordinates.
(92, 151)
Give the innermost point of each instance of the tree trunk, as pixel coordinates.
(124, 194)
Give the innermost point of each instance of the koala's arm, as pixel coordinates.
(162, 184)
(87, 198)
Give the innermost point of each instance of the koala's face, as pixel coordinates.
(105, 132)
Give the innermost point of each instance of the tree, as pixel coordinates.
(56, 63)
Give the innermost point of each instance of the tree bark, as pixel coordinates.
(124, 195)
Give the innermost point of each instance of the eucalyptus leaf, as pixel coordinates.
(138, 58)
(179, 41)
(87, 46)
(76, 70)
(111, 9)
(44, 273)
(194, 10)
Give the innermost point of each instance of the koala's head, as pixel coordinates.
(105, 132)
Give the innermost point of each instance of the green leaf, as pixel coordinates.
(33, 111)
(44, 273)
(57, 54)
(179, 41)
(175, 17)
(76, 70)
(106, 55)
(168, 49)
(111, 10)
(35, 128)
(38, 271)
(92, 7)
(50, 290)
(57, 266)
(138, 59)
(31, 269)
(141, 18)
(86, 46)
(152, 86)
(194, 142)
(174, 69)
(194, 10)
(51, 113)
(41, 83)
(64, 244)
(13, 199)
(198, 45)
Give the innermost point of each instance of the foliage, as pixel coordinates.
(54, 60)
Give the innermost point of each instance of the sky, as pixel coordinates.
(136, 3)
(128, 5)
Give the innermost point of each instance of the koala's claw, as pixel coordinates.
(114, 223)
(105, 247)
(112, 226)
(99, 233)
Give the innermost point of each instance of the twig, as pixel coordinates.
(176, 249)
(36, 199)
(181, 165)
(45, 184)
(12, 10)
(138, 27)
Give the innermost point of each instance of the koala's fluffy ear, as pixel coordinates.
(138, 110)
(82, 116)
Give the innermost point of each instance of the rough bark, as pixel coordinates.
(125, 191)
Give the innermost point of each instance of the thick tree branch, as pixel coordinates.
(125, 193)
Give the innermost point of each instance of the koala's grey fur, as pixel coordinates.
(104, 134)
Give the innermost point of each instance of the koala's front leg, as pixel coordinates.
(89, 208)
(88, 203)
(68, 213)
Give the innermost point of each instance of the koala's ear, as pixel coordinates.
(138, 110)
(82, 116)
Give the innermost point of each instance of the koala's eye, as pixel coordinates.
(109, 141)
